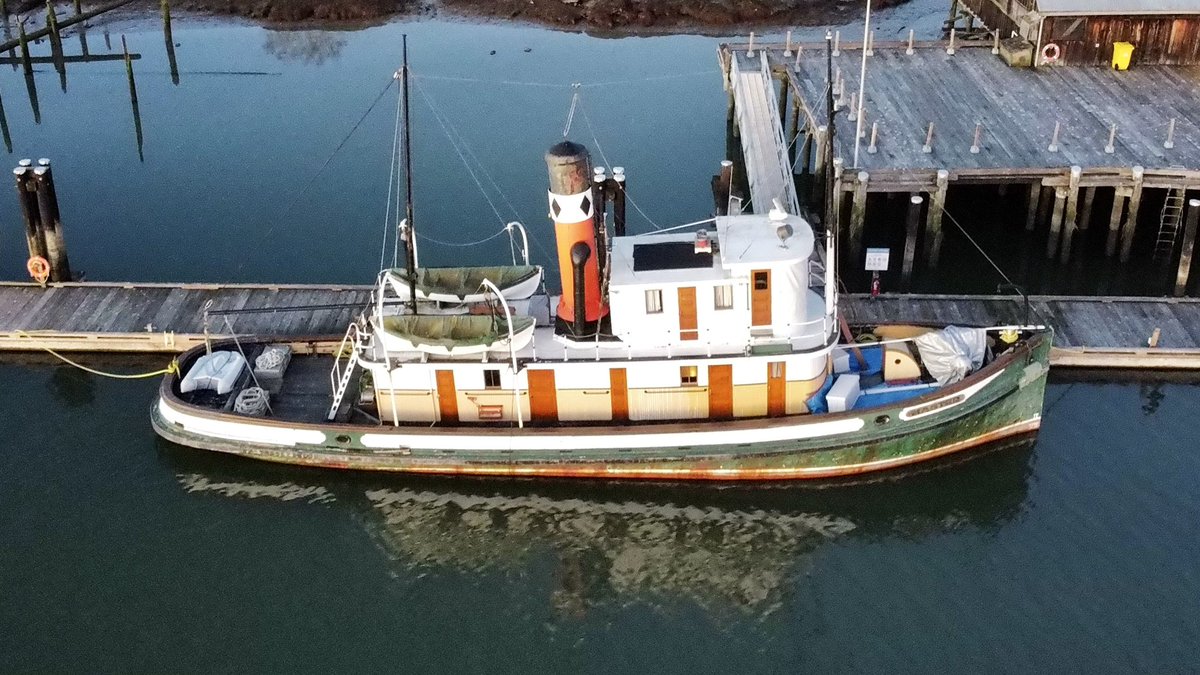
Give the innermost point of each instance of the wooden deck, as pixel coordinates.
(94, 317)
(1016, 108)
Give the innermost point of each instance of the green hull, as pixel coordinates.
(938, 424)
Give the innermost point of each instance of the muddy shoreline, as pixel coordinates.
(607, 16)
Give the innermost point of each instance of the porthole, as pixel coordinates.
(883, 419)
(342, 439)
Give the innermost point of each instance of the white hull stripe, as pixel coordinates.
(240, 431)
(531, 440)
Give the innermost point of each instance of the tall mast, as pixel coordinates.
(410, 252)
(831, 228)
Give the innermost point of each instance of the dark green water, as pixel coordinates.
(122, 553)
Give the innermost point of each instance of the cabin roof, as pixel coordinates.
(739, 243)
(759, 241)
(1107, 7)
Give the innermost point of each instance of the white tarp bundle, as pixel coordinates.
(952, 353)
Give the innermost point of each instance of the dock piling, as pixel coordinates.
(837, 42)
(933, 218)
(858, 215)
(1170, 142)
(1112, 139)
(51, 222)
(928, 147)
(1071, 216)
(872, 149)
(995, 42)
(787, 48)
(821, 163)
(722, 186)
(1053, 147)
(1031, 210)
(911, 35)
(838, 193)
(1189, 243)
(912, 228)
(750, 46)
(950, 48)
(1085, 213)
(27, 198)
(1056, 222)
(1131, 214)
(618, 197)
(975, 143)
(1120, 195)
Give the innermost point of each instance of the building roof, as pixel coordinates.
(1106, 7)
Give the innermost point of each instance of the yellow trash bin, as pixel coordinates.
(1122, 54)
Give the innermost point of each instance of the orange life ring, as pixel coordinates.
(38, 268)
(1051, 53)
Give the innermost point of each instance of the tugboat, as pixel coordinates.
(711, 352)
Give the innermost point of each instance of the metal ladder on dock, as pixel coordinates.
(1168, 224)
(339, 378)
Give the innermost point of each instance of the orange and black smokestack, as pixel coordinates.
(573, 208)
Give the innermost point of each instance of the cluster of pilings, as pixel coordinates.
(43, 226)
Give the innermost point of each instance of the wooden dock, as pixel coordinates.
(1098, 332)
(936, 116)
(114, 317)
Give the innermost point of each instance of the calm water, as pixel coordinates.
(120, 553)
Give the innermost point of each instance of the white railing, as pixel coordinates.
(339, 377)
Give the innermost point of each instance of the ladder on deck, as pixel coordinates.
(1168, 224)
(339, 378)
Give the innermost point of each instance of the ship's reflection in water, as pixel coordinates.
(723, 548)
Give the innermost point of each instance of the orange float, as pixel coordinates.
(39, 269)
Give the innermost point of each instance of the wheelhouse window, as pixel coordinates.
(762, 281)
(723, 297)
(689, 376)
(491, 378)
(654, 302)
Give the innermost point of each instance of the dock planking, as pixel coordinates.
(1016, 107)
(101, 317)
(1094, 332)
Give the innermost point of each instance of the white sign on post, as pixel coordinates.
(877, 259)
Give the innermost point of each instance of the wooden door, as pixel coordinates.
(447, 396)
(720, 392)
(687, 314)
(777, 388)
(619, 389)
(760, 298)
(543, 396)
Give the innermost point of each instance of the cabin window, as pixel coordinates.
(762, 281)
(491, 378)
(723, 297)
(654, 302)
(776, 369)
(689, 376)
